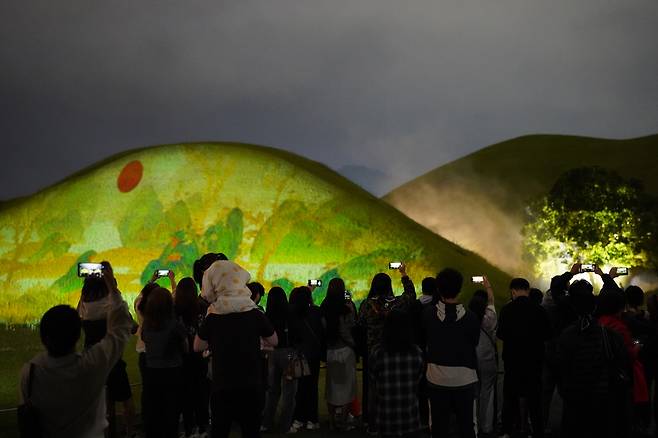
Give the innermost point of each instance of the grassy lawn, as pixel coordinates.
(19, 344)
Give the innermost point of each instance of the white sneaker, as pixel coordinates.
(312, 426)
(297, 424)
(292, 429)
(263, 429)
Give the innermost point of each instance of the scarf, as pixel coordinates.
(225, 288)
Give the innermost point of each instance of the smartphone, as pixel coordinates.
(90, 269)
(159, 273)
(317, 283)
(587, 267)
(348, 295)
(477, 279)
(394, 265)
(622, 271)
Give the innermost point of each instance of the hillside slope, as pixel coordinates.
(479, 200)
(283, 217)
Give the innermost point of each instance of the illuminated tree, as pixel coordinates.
(592, 215)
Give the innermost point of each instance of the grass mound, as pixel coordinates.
(478, 201)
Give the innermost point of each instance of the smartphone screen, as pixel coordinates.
(622, 271)
(162, 273)
(90, 269)
(394, 265)
(348, 295)
(317, 283)
(587, 267)
(477, 279)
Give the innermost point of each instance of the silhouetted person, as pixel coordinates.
(453, 333)
(196, 390)
(396, 369)
(166, 343)
(611, 304)
(536, 296)
(372, 313)
(308, 319)
(561, 315)
(68, 388)
(280, 385)
(429, 297)
(92, 308)
(482, 305)
(586, 352)
(257, 293)
(232, 331)
(523, 327)
(339, 317)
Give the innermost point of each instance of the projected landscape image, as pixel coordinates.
(281, 216)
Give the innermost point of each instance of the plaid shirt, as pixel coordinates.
(396, 379)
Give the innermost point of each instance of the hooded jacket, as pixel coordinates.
(453, 333)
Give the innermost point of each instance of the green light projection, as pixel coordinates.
(284, 218)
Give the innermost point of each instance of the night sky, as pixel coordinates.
(379, 90)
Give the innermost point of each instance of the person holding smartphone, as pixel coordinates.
(339, 316)
(94, 301)
(483, 306)
(68, 388)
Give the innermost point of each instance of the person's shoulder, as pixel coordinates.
(257, 315)
(428, 310)
(471, 318)
(507, 306)
(212, 319)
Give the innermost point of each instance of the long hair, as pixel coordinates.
(186, 301)
(277, 309)
(479, 303)
(333, 307)
(93, 289)
(159, 309)
(301, 300)
(146, 292)
(398, 332)
(381, 286)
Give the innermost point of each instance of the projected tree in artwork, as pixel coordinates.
(283, 218)
(595, 215)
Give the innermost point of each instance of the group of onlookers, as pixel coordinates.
(208, 351)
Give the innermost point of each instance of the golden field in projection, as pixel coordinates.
(281, 216)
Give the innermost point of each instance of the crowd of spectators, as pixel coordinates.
(211, 355)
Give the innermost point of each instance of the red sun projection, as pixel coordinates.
(130, 176)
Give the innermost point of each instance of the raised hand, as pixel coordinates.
(108, 276)
(598, 271)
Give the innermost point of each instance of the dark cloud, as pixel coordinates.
(396, 87)
(373, 180)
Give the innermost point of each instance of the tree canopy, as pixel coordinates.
(592, 215)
